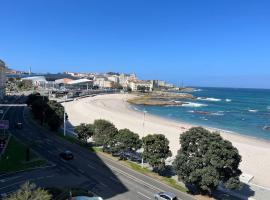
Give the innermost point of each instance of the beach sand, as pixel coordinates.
(113, 107)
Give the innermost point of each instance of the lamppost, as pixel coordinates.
(144, 113)
(65, 116)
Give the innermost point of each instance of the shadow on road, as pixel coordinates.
(87, 170)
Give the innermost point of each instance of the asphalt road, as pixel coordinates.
(105, 177)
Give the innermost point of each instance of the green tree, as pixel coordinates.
(25, 85)
(104, 132)
(84, 131)
(205, 160)
(156, 150)
(127, 140)
(29, 191)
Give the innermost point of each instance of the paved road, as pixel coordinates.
(99, 174)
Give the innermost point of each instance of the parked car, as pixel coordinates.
(66, 155)
(165, 196)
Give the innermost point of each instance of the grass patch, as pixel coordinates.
(14, 158)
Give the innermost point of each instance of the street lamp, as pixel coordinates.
(65, 116)
(144, 113)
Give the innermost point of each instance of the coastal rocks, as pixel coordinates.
(153, 102)
(160, 99)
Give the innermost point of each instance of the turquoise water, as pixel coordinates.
(245, 111)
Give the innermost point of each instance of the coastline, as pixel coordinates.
(113, 107)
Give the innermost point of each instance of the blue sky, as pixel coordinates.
(206, 43)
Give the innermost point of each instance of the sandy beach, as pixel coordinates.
(113, 107)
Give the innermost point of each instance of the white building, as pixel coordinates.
(2, 80)
(125, 78)
(135, 84)
(102, 82)
(113, 78)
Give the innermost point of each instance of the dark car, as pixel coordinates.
(66, 155)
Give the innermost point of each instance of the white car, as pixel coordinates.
(165, 196)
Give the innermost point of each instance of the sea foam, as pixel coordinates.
(208, 99)
(191, 104)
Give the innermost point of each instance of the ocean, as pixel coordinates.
(244, 111)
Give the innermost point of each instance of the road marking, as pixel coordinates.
(91, 166)
(114, 179)
(9, 179)
(80, 170)
(143, 195)
(18, 183)
(50, 176)
(103, 184)
(136, 179)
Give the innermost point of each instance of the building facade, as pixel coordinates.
(2, 80)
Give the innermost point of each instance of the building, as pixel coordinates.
(136, 84)
(2, 80)
(37, 80)
(125, 78)
(113, 78)
(80, 84)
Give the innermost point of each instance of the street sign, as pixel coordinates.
(4, 124)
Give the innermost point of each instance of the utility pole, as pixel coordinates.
(65, 116)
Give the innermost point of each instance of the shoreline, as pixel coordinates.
(205, 126)
(115, 108)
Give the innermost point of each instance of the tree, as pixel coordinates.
(156, 150)
(127, 140)
(104, 132)
(29, 191)
(84, 131)
(25, 85)
(205, 160)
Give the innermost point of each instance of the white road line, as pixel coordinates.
(50, 176)
(103, 184)
(91, 166)
(135, 179)
(18, 183)
(80, 170)
(9, 179)
(143, 195)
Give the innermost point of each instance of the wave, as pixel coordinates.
(228, 100)
(252, 110)
(197, 90)
(268, 107)
(208, 99)
(191, 104)
(217, 114)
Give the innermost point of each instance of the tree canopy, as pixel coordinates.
(126, 140)
(29, 191)
(104, 132)
(156, 150)
(84, 131)
(205, 160)
(50, 112)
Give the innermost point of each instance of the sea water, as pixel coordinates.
(245, 111)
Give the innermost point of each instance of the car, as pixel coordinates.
(165, 196)
(66, 155)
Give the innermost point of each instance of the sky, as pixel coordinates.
(224, 43)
